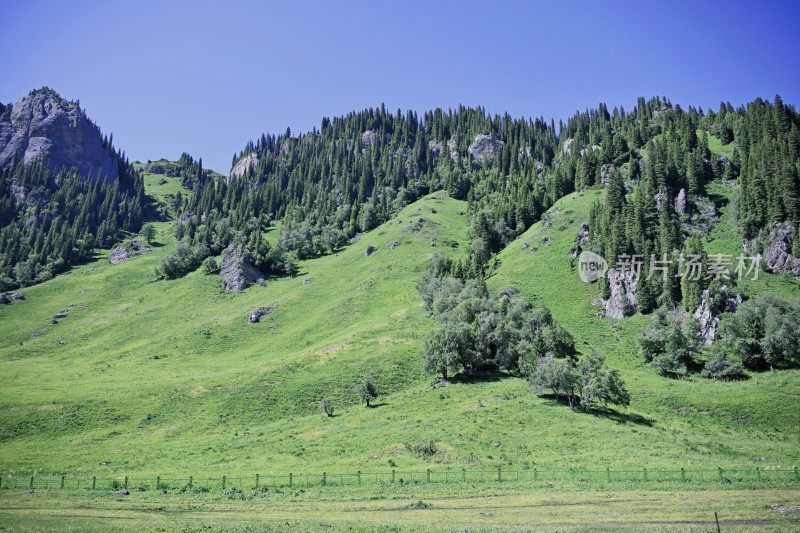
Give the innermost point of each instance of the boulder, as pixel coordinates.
(260, 312)
(622, 302)
(393, 245)
(778, 250)
(369, 251)
(43, 124)
(17, 296)
(484, 146)
(606, 171)
(119, 254)
(237, 270)
(583, 234)
(3, 298)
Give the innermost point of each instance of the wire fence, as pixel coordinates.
(66, 481)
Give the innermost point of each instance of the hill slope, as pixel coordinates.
(167, 376)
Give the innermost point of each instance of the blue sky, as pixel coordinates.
(205, 77)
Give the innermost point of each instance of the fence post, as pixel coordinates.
(223, 482)
(644, 473)
(392, 475)
(158, 482)
(683, 474)
(126, 482)
(31, 483)
(463, 474)
(719, 472)
(428, 475)
(324, 478)
(796, 474)
(499, 475)
(256, 480)
(359, 477)
(63, 475)
(191, 481)
(290, 479)
(608, 475)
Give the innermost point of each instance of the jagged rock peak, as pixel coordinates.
(44, 124)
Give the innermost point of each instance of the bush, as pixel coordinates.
(327, 406)
(184, 258)
(209, 266)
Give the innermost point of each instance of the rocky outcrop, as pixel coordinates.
(237, 270)
(583, 234)
(709, 311)
(593, 148)
(484, 146)
(43, 125)
(622, 302)
(3, 298)
(119, 254)
(681, 203)
(606, 171)
(370, 250)
(260, 312)
(777, 252)
(367, 139)
(243, 165)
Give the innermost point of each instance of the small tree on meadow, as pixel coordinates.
(148, 232)
(327, 406)
(366, 390)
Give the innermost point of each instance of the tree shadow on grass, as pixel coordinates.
(603, 412)
(376, 405)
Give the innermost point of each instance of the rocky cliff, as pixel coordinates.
(44, 125)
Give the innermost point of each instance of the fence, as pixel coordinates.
(64, 481)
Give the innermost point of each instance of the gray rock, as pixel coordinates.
(593, 148)
(583, 234)
(306, 282)
(435, 148)
(367, 138)
(369, 251)
(17, 296)
(3, 298)
(257, 314)
(546, 241)
(606, 171)
(709, 311)
(778, 251)
(484, 146)
(119, 254)
(243, 165)
(44, 124)
(622, 302)
(237, 270)
(681, 204)
(567, 147)
(393, 245)
(661, 197)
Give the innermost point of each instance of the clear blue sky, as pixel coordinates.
(205, 77)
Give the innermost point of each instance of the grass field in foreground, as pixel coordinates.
(481, 507)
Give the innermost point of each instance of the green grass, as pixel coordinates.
(492, 507)
(166, 377)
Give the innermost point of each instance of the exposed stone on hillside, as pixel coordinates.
(257, 314)
(622, 302)
(242, 165)
(369, 251)
(237, 270)
(681, 204)
(709, 311)
(435, 148)
(593, 148)
(393, 245)
(583, 234)
(367, 138)
(17, 296)
(484, 146)
(606, 171)
(119, 254)
(565, 149)
(777, 248)
(3, 298)
(43, 123)
(125, 251)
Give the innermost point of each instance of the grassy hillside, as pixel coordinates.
(167, 377)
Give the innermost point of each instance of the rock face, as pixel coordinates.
(260, 312)
(778, 250)
(681, 204)
(367, 138)
(623, 293)
(43, 123)
(708, 314)
(583, 234)
(236, 269)
(119, 254)
(241, 167)
(484, 146)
